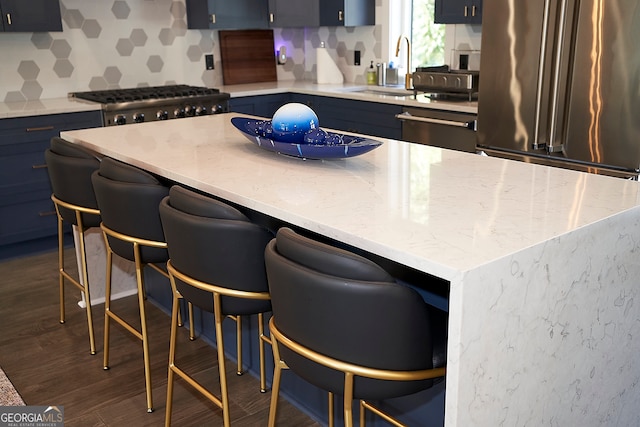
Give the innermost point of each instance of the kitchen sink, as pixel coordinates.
(399, 92)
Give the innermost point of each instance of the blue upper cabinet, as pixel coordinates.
(294, 13)
(458, 12)
(30, 15)
(256, 14)
(227, 15)
(347, 13)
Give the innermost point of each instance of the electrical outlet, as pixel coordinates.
(356, 57)
(208, 61)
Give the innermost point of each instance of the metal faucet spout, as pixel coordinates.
(408, 83)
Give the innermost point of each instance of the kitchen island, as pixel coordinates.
(542, 263)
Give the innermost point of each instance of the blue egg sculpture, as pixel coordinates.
(292, 121)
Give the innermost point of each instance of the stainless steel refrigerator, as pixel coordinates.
(561, 83)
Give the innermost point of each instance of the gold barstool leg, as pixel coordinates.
(61, 265)
(364, 405)
(221, 362)
(107, 304)
(331, 411)
(348, 399)
(143, 325)
(261, 342)
(175, 313)
(192, 330)
(238, 320)
(275, 385)
(85, 281)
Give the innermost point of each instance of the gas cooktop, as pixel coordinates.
(151, 103)
(115, 96)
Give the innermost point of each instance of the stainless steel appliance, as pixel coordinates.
(145, 104)
(442, 81)
(561, 83)
(439, 128)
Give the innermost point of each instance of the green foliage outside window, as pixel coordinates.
(427, 38)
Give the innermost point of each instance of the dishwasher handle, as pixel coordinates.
(471, 125)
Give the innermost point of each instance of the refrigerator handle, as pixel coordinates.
(551, 146)
(537, 144)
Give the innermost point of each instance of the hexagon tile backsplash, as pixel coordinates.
(130, 43)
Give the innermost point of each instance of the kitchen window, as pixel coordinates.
(427, 38)
(414, 18)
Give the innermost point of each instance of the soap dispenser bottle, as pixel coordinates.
(371, 75)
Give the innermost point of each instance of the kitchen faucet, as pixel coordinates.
(408, 84)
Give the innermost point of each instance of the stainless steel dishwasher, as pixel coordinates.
(439, 128)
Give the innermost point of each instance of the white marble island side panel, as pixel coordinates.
(550, 335)
(465, 218)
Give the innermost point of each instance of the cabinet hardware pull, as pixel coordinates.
(38, 129)
(38, 166)
(471, 125)
(46, 213)
(9, 18)
(466, 11)
(271, 17)
(340, 16)
(473, 10)
(213, 18)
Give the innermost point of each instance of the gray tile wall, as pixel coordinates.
(128, 43)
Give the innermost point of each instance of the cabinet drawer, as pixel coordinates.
(27, 219)
(23, 172)
(43, 128)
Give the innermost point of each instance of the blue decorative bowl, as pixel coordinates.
(292, 121)
(343, 146)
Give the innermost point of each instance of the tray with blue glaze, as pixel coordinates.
(315, 143)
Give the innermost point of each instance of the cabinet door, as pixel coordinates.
(220, 14)
(294, 13)
(260, 105)
(31, 15)
(26, 209)
(476, 12)
(238, 14)
(458, 11)
(349, 13)
(368, 118)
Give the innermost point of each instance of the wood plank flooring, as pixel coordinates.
(50, 364)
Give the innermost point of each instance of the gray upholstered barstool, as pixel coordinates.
(217, 264)
(70, 168)
(128, 198)
(343, 324)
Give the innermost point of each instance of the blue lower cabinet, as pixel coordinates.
(27, 215)
(368, 118)
(259, 105)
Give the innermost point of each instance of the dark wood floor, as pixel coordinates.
(50, 364)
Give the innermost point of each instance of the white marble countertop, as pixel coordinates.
(439, 211)
(44, 106)
(388, 95)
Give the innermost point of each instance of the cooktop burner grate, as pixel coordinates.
(116, 96)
